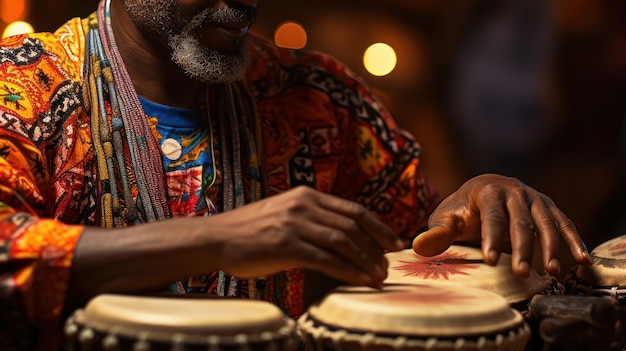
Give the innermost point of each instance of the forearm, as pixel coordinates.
(142, 258)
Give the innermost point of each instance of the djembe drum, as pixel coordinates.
(465, 266)
(413, 317)
(120, 323)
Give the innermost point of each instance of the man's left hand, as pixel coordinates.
(496, 209)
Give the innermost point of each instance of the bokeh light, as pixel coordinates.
(17, 27)
(290, 35)
(380, 59)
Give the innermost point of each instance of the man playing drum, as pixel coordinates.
(159, 140)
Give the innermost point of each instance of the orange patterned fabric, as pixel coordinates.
(320, 127)
(39, 93)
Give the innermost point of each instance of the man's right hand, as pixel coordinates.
(306, 228)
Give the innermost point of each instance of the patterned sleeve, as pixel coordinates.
(354, 148)
(386, 174)
(36, 250)
(35, 258)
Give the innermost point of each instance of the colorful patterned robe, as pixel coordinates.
(321, 127)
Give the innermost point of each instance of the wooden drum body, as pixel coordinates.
(465, 266)
(413, 317)
(116, 322)
(576, 323)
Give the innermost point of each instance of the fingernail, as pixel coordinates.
(493, 256)
(524, 268)
(554, 266)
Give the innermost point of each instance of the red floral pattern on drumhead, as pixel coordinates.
(427, 297)
(618, 249)
(438, 267)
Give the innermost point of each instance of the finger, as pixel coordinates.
(570, 235)
(522, 232)
(434, 241)
(494, 226)
(376, 229)
(548, 234)
(313, 257)
(342, 245)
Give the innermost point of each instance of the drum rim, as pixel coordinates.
(288, 333)
(597, 276)
(514, 338)
(496, 315)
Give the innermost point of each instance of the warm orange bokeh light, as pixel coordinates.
(12, 10)
(380, 59)
(290, 35)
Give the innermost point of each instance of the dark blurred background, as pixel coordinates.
(529, 88)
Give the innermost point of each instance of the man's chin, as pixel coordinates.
(209, 65)
(231, 76)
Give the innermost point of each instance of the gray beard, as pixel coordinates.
(206, 64)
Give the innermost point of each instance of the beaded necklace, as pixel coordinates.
(123, 137)
(129, 158)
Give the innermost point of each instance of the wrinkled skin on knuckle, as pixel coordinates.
(518, 193)
(337, 239)
(350, 226)
(356, 210)
(524, 224)
(452, 217)
(492, 189)
(294, 206)
(546, 221)
(547, 201)
(494, 217)
(303, 191)
(567, 225)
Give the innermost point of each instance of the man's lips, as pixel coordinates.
(237, 30)
(221, 37)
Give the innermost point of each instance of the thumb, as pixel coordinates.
(433, 241)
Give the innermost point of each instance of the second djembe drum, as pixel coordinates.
(413, 317)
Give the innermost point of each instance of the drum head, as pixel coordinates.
(465, 266)
(163, 318)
